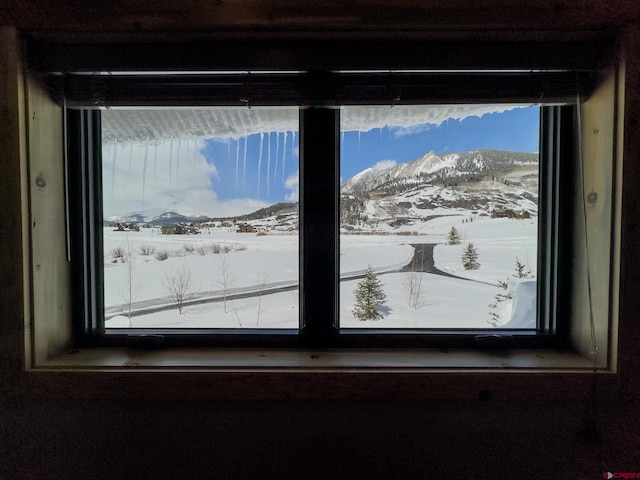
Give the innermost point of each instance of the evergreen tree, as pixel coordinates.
(470, 258)
(369, 296)
(521, 270)
(454, 236)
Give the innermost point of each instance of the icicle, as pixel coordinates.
(294, 137)
(237, 160)
(155, 161)
(275, 166)
(170, 161)
(342, 145)
(284, 152)
(178, 162)
(144, 167)
(130, 156)
(260, 160)
(113, 167)
(268, 164)
(244, 165)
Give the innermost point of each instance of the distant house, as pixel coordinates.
(121, 227)
(499, 213)
(179, 229)
(245, 228)
(510, 213)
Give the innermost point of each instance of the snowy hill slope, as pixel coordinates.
(443, 169)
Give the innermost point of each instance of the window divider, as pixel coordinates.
(319, 212)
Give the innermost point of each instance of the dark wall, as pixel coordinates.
(63, 439)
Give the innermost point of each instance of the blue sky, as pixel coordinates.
(269, 173)
(515, 130)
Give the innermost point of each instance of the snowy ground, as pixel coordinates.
(257, 263)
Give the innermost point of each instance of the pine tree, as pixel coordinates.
(521, 270)
(454, 236)
(369, 296)
(470, 258)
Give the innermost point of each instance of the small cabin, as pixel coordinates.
(245, 228)
(179, 229)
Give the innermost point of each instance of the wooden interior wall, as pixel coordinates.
(307, 18)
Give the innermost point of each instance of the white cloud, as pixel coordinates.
(175, 176)
(292, 183)
(399, 132)
(384, 164)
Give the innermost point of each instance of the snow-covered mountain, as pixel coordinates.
(444, 169)
(155, 217)
(478, 182)
(408, 194)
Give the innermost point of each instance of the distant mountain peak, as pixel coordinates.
(432, 167)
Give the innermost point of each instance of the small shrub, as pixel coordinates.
(189, 249)
(202, 250)
(118, 254)
(162, 255)
(147, 249)
(239, 247)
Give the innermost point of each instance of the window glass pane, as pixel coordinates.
(200, 210)
(441, 203)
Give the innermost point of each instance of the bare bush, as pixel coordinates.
(226, 277)
(202, 250)
(131, 288)
(147, 249)
(413, 284)
(262, 284)
(239, 247)
(162, 255)
(118, 254)
(189, 249)
(177, 285)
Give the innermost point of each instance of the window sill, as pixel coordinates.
(227, 374)
(327, 361)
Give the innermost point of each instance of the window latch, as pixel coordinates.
(144, 341)
(494, 341)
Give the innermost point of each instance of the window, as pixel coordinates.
(442, 203)
(438, 228)
(322, 309)
(233, 262)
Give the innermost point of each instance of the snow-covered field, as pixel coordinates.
(256, 265)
